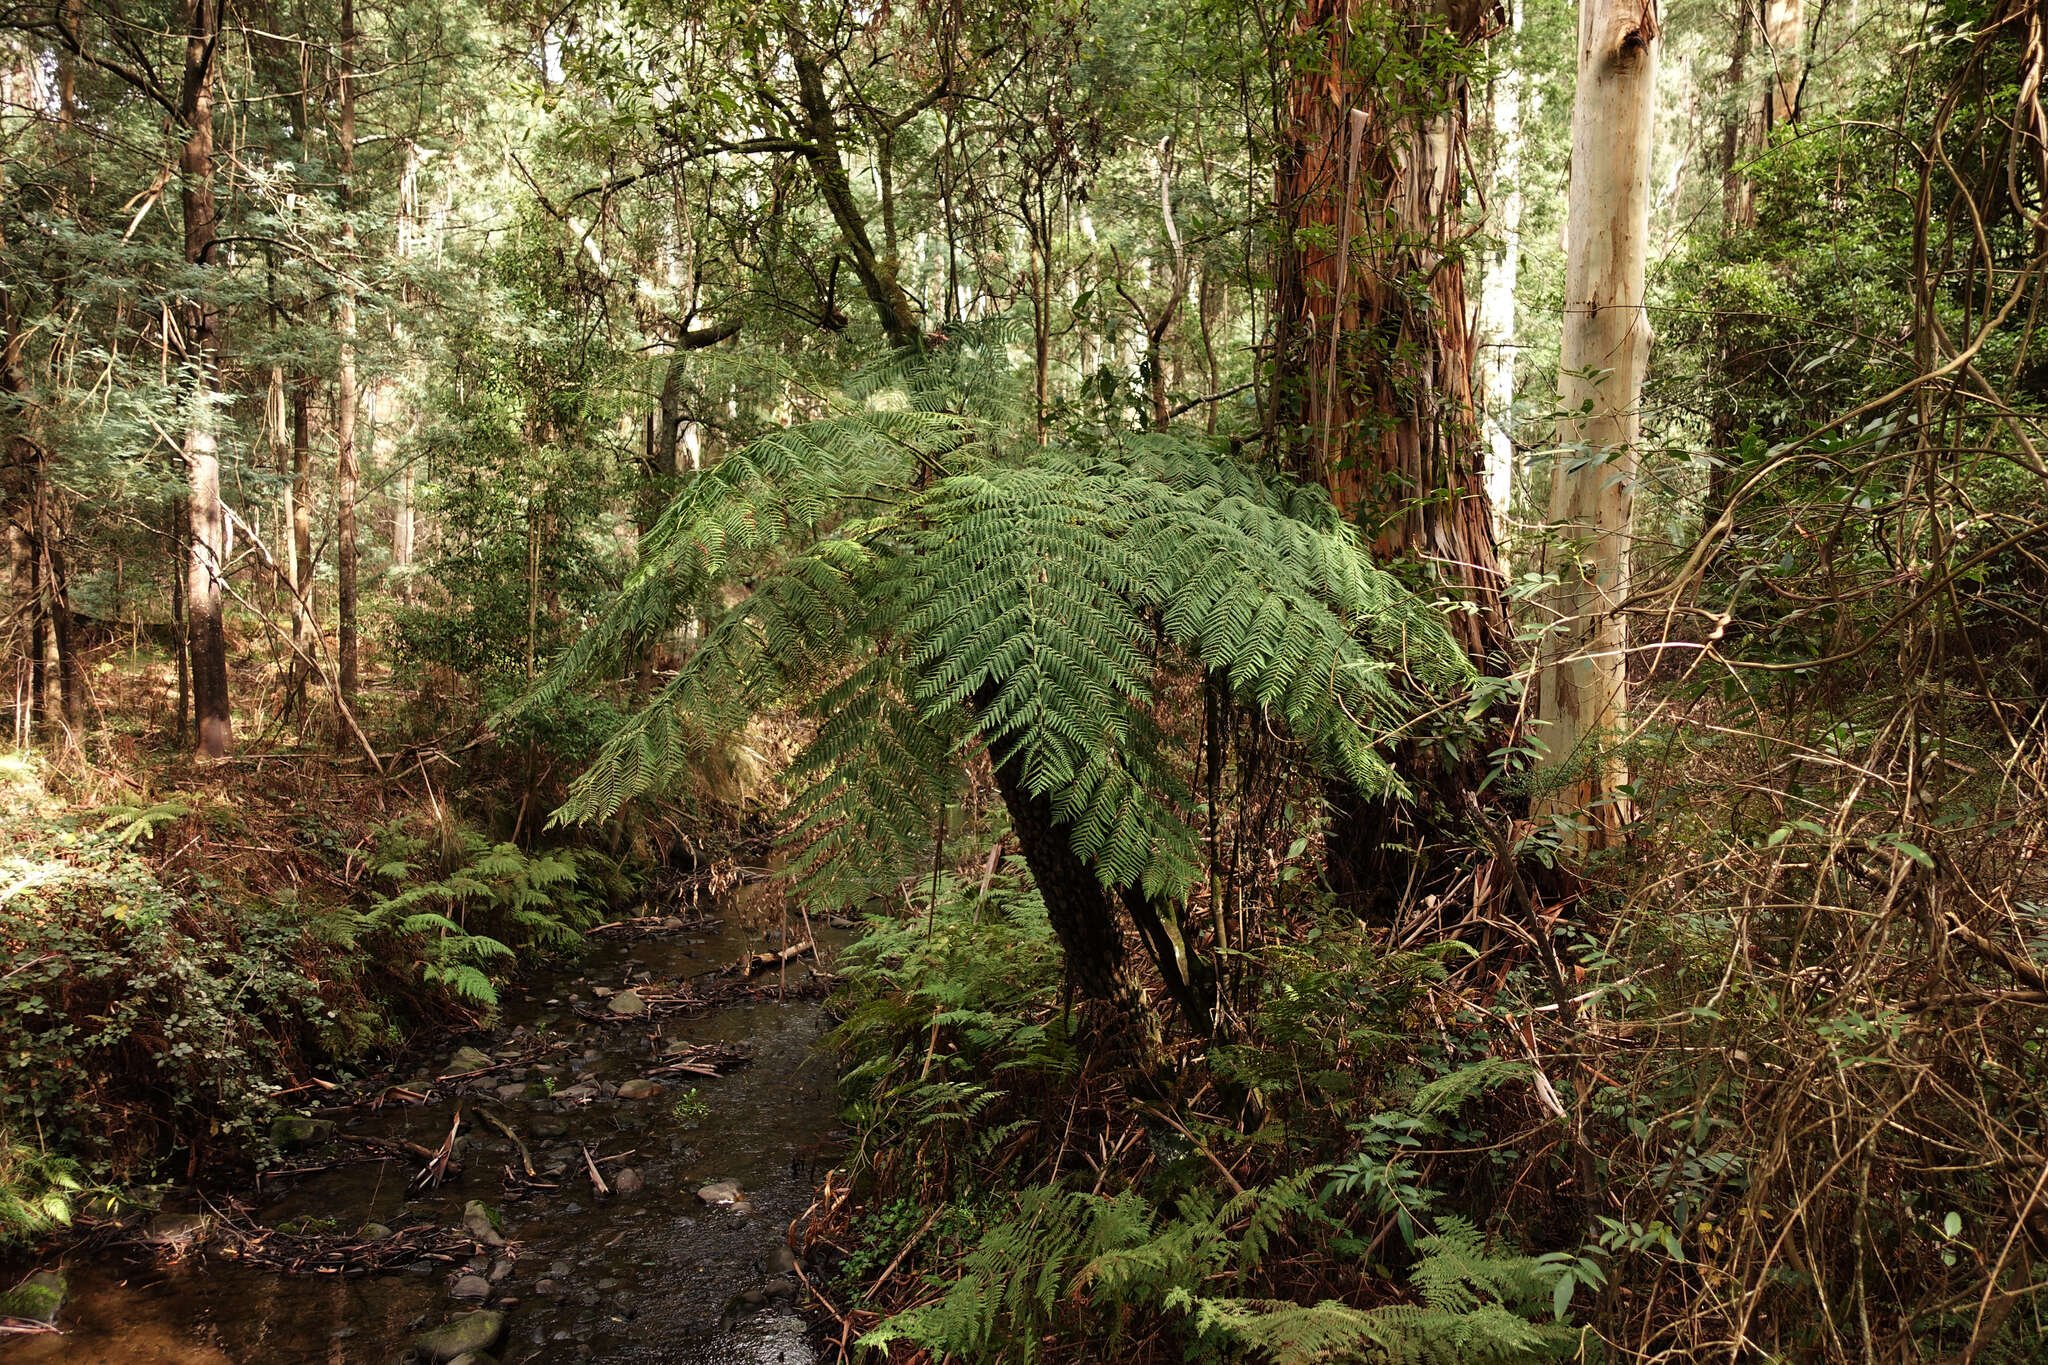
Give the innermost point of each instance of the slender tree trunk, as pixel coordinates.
(1497, 295)
(345, 470)
(205, 573)
(181, 634)
(1582, 686)
(299, 546)
(876, 271)
(63, 655)
(1772, 99)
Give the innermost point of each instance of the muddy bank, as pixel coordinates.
(683, 1258)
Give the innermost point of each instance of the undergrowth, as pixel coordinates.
(150, 1012)
(1009, 1200)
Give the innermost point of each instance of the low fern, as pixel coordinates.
(1065, 1251)
(474, 920)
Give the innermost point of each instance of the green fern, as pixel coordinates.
(1116, 1253)
(919, 585)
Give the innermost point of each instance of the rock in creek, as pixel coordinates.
(639, 1088)
(467, 1059)
(296, 1130)
(472, 1287)
(781, 1260)
(476, 1221)
(626, 1002)
(39, 1298)
(720, 1192)
(470, 1334)
(628, 1181)
(547, 1127)
(373, 1232)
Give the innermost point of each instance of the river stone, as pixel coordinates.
(576, 1094)
(474, 1287)
(470, 1334)
(296, 1130)
(628, 1181)
(177, 1228)
(373, 1232)
(547, 1128)
(626, 1002)
(39, 1298)
(781, 1261)
(720, 1192)
(501, 1270)
(639, 1088)
(467, 1059)
(515, 1091)
(779, 1289)
(476, 1221)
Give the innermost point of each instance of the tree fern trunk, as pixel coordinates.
(1083, 918)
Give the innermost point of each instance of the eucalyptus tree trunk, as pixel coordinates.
(1373, 391)
(1376, 353)
(206, 520)
(1582, 683)
(345, 466)
(1497, 294)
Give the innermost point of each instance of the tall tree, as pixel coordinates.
(345, 464)
(1582, 684)
(206, 570)
(1373, 392)
(1503, 267)
(1376, 350)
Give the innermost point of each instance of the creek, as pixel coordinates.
(651, 1272)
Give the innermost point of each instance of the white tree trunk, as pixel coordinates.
(1582, 684)
(1497, 292)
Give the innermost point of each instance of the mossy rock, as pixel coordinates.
(470, 1334)
(297, 1130)
(39, 1298)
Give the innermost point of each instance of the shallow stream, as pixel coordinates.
(656, 1273)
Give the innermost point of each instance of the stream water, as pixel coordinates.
(653, 1274)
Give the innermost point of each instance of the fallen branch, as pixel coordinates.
(761, 962)
(525, 1158)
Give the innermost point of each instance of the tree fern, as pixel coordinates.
(1028, 600)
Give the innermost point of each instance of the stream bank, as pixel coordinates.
(684, 1258)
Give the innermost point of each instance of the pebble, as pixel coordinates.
(639, 1088)
(628, 1181)
(501, 1270)
(626, 1002)
(720, 1192)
